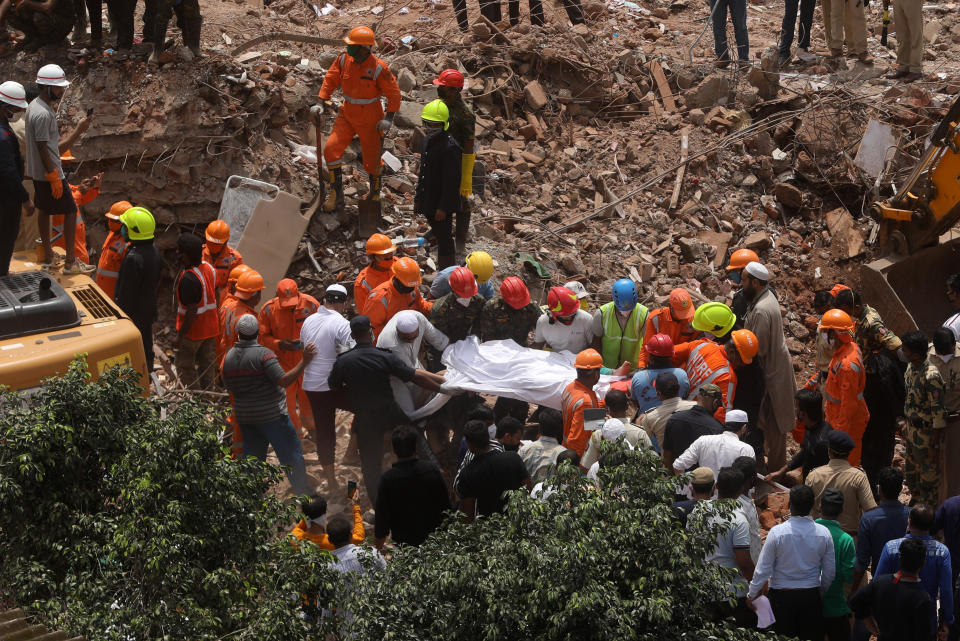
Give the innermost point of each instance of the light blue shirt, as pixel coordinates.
(798, 555)
(441, 285)
(645, 394)
(935, 575)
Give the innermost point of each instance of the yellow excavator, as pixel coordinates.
(908, 286)
(49, 318)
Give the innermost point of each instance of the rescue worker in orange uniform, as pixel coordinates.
(844, 406)
(231, 288)
(363, 79)
(228, 306)
(243, 301)
(280, 321)
(218, 253)
(196, 298)
(381, 251)
(114, 250)
(399, 293)
(738, 261)
(578, 396)
(672, 320)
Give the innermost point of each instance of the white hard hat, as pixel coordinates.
(13, 93)
(52, 75)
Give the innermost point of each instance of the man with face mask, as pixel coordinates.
(738, 261)
(13, 195)
(364, 79)
(461, 128)
(565, 327)
(619, 326)
(456, 313)
(845, 408)
(138, 278)
(438, 185)
(114, 249)
(399, 293)
(44, 148)
(381, 251)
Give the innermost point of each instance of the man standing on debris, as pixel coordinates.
(673, 320)
(578, 396)
(138, 277)
(807, 8)
(437, 197)
(883, 390)
(643, 388)
(926, 421)
(668, 392)
(944, 353)
(245, 299)
(565, 327)
(364, 79)
(814, 451)
(850, 481)
(738, 261)
(777, 416)
(15, 196)
(188, 19)
(197, 326)
(620, 325)
(45, 22)
(402, 336)
(381, 251)
(43, 164)
(399, 293)
(114, 249)
(281, 319)
(511, 315)
(457, 314)
(845, 408)
(738, 14)
(218, 253)
(908, 16)
(844, 21)
(461, 128)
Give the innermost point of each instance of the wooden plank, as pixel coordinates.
(684, 151)
(662, 86)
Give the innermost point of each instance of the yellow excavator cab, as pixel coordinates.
(49, 318)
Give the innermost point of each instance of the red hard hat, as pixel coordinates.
(659, 345)
(562, 302)
(449, 78)
(514, 292)
(463, 283)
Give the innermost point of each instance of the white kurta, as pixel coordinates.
(409, 353)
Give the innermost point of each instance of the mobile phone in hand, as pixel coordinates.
(352, 489)
(89, 111)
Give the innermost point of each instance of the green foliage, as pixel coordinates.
(611, 563)
(119, 524)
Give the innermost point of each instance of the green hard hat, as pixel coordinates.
(140, 223)
(716, 318)
(436, 111)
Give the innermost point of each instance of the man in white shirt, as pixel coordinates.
(330, 332)
(403, 335)
(798, 560)
(654, 422)
(717, 451)
(565, 327)
(540, 456)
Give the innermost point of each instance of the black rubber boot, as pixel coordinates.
(463, 225)
(334, 201)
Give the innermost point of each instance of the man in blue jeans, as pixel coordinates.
(253, 376)
(738, 14)
(789, 23)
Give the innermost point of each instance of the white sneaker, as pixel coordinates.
(78, 267)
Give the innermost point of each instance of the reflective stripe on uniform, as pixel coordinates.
(361, 101)
(206, 304)
(376, 74)
(106, 273)
(831, 399)
(854, 367)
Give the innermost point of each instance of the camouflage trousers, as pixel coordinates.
(923, 476)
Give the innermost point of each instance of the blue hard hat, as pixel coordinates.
(625, 295)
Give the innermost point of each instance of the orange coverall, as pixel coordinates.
(362, 86)
(706, 362)
(279, 323)
(576, 398)
(300, 532)
(111, 257)
(228, 314)
(227, 259)
(385, 301)
(844, 407)
(57, 237)
(660, 321)
(368, 278)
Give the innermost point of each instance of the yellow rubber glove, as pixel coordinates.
(466, 173)
(56, 185)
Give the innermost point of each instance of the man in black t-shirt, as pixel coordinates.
(482, 483)
(686, 426)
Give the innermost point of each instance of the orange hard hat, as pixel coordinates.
(514, 292)
(746, 343)
(218, 232)
(588, 359)
(248, 284)
(681, 304)
(288, 293)
(449, 78)
(836, 319)
(463, 283)
(562, 302)
(740, 258)
(238, 271)
(117, 209)
(659, 345)
(361, 36)
(836, 289)
(67, 156)
(407, 271)
(380, 245)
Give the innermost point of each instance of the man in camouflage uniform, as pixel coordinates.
(454, 318)
(509, 316)
(926, 420)
(883, 392)
(461, 128)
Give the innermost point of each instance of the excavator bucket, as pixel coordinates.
(908, 286)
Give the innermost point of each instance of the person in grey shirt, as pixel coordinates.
(254, 378)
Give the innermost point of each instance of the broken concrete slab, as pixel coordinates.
(535, 95)
(847, 241)
(713, 90)
(757, 241)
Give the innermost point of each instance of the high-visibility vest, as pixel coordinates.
(114, 250)
(619, 345)
(222, 263)
(707, 363)
(205, 325)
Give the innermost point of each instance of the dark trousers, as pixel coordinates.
(443, 233)
(738, 14)
(837, 628)
(188, 18)
(9, 228)
(95, 9)
(742, 615)
(884, 403)
(43, 28)
(149, 19)
(790, 21)
(324, 406)
(798, 613)
(146, 333)
(370, 425)
(123, 11)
